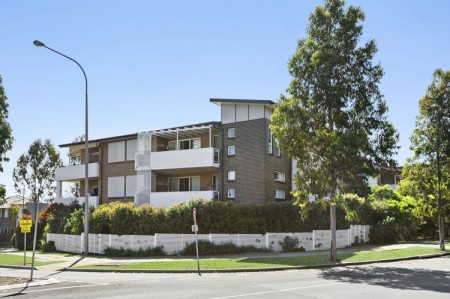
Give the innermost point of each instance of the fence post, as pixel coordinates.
(110, 241)
(239, 241)
(131, 242)
(82, 243)
(154, 240)
(267, 240)
(364, 232)
(313, 241)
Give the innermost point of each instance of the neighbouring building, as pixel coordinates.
(388, 176)
(7, 224)
(233, 159)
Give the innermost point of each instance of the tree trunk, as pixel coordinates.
(441, 231)
(333, 252)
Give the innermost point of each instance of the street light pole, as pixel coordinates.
(86, 154)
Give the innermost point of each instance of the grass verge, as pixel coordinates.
(269, 262)
(8, 259)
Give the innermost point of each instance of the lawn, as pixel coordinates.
(9, 259)
(271, 262)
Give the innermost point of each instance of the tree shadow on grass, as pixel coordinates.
(392, 277)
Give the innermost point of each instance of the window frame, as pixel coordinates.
(280, 190)
(231, 136)
(231, 173)
(231, 193)
(234, 150)
(277, 175)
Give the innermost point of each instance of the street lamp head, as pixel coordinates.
(38, 43)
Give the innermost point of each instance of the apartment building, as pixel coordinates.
(234, 159)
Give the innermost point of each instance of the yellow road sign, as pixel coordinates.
(25, 229)
(25, 223)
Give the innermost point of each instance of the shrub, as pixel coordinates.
(48, 246)
(290, 244)
(152, 251)
(385, 232)
(207, 248)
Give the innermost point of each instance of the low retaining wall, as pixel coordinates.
(174, 243)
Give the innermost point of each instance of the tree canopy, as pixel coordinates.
(6, 139)
(333, 120)
(427, 174)
(35, 170)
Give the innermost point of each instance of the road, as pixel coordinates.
(428, 278)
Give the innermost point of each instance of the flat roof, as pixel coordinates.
(240, 101)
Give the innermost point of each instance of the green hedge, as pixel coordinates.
(212, 217)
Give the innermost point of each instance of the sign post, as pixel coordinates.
(25, 227)
(195, 229)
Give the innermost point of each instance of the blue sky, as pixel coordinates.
(156, 64)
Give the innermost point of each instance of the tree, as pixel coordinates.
(36, 170)
(6, 138)
(431, 145)
(334, 120)
(75, 160)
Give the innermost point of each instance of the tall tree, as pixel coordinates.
(6, 138)
(36, 170)
(334, 120)
(75, 160)
(431, 145)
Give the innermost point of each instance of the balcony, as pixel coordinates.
(73, 173)
(194, 159)
(167, 199)
(93, 200)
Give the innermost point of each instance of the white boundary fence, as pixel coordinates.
(174, 243)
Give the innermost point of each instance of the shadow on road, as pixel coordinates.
(392, 277)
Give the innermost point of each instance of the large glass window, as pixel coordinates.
(185, 144)
(184, 184)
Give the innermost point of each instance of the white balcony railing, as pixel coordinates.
(77, 172)
(193, 158)
(93, 200)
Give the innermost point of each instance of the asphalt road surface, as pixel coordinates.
(428, 278)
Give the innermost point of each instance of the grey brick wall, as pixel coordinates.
(253, 165)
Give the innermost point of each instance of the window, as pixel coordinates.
(269, 146)
(184, 184)
(215, 142)
(231, 150)
(185, 144)
(277, 144)
(231, 193)
(116, 151)
(131, 149)
(130, 185)
(231, 175)
(280, 194)
(214, 182)
(231, 132)
(116, 186)
(279, 176)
